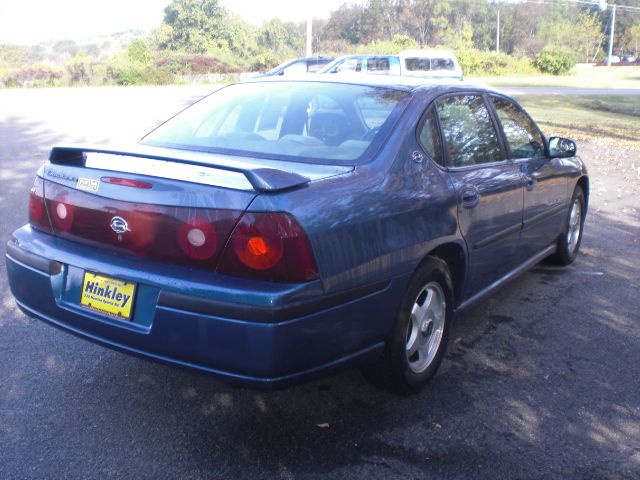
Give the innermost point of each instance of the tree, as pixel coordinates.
(379, 20)
(196, 25)
(139, 52)
(345, 24)
(633, 39)
(240, 37)
(66, 47)
(279, 37)
(624, 21)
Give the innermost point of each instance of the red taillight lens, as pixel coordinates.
(265, 246)
(125, 182)
(269, 246)
(186, 236)
(37, 212)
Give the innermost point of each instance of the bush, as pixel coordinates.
(477, 63)
(136, 74)
(32, 76)
(186, 64)
(555, 61)
(139, 52)
(386, 47)
(264, 61)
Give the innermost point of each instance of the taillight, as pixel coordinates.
(37, 212)
(125, 182)
(269, 246)
(265, 246)
(197, 238)
(186, 236)
(62, 213)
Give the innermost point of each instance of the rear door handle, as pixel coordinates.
(470, 197)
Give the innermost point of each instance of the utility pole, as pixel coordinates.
(309, 37)
(613, 26)
(498, 33)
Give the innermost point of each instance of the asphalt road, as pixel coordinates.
(541, 381)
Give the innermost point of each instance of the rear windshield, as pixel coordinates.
(423, 64)
(296, 121)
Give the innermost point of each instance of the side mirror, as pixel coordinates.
(562, 147)
(281, 72)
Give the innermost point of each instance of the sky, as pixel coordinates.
(33, 21)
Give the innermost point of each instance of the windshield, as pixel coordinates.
(297, 121)
(284, 65)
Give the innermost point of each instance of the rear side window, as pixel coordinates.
(423, 64)
(523, 137)
(468, 130)
(378, 65)
(418, 64)
(429, 136)
(442, 64)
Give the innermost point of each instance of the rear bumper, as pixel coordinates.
(253, 333)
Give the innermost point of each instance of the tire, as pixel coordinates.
(571, 237)
(418, 340)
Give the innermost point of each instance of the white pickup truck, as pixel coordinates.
(414, 63)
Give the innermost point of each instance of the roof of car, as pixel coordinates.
(399, 82)
(305, 59)
(367, 55)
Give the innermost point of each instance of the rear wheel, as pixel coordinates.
(420, 333)
(569, 241)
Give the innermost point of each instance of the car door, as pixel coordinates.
(545, 191)
(489, 187)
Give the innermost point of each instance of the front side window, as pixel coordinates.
(313, 67)
(468, 130)
(523, 137)
(350, 65)
(296, 121)
(295, 68)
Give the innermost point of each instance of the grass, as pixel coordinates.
(582, 76)
(603, 119)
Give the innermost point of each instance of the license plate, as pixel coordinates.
(108, 295)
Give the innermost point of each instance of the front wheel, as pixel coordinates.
(420, 333)
(569, 241)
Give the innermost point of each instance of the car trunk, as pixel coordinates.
(171, 206)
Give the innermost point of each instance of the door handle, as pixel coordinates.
(530, 181)
(470, 197)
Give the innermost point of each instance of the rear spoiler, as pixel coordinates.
(262, 179)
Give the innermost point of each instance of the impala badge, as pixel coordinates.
(119, 225)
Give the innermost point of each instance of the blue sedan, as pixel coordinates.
(281, 230)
